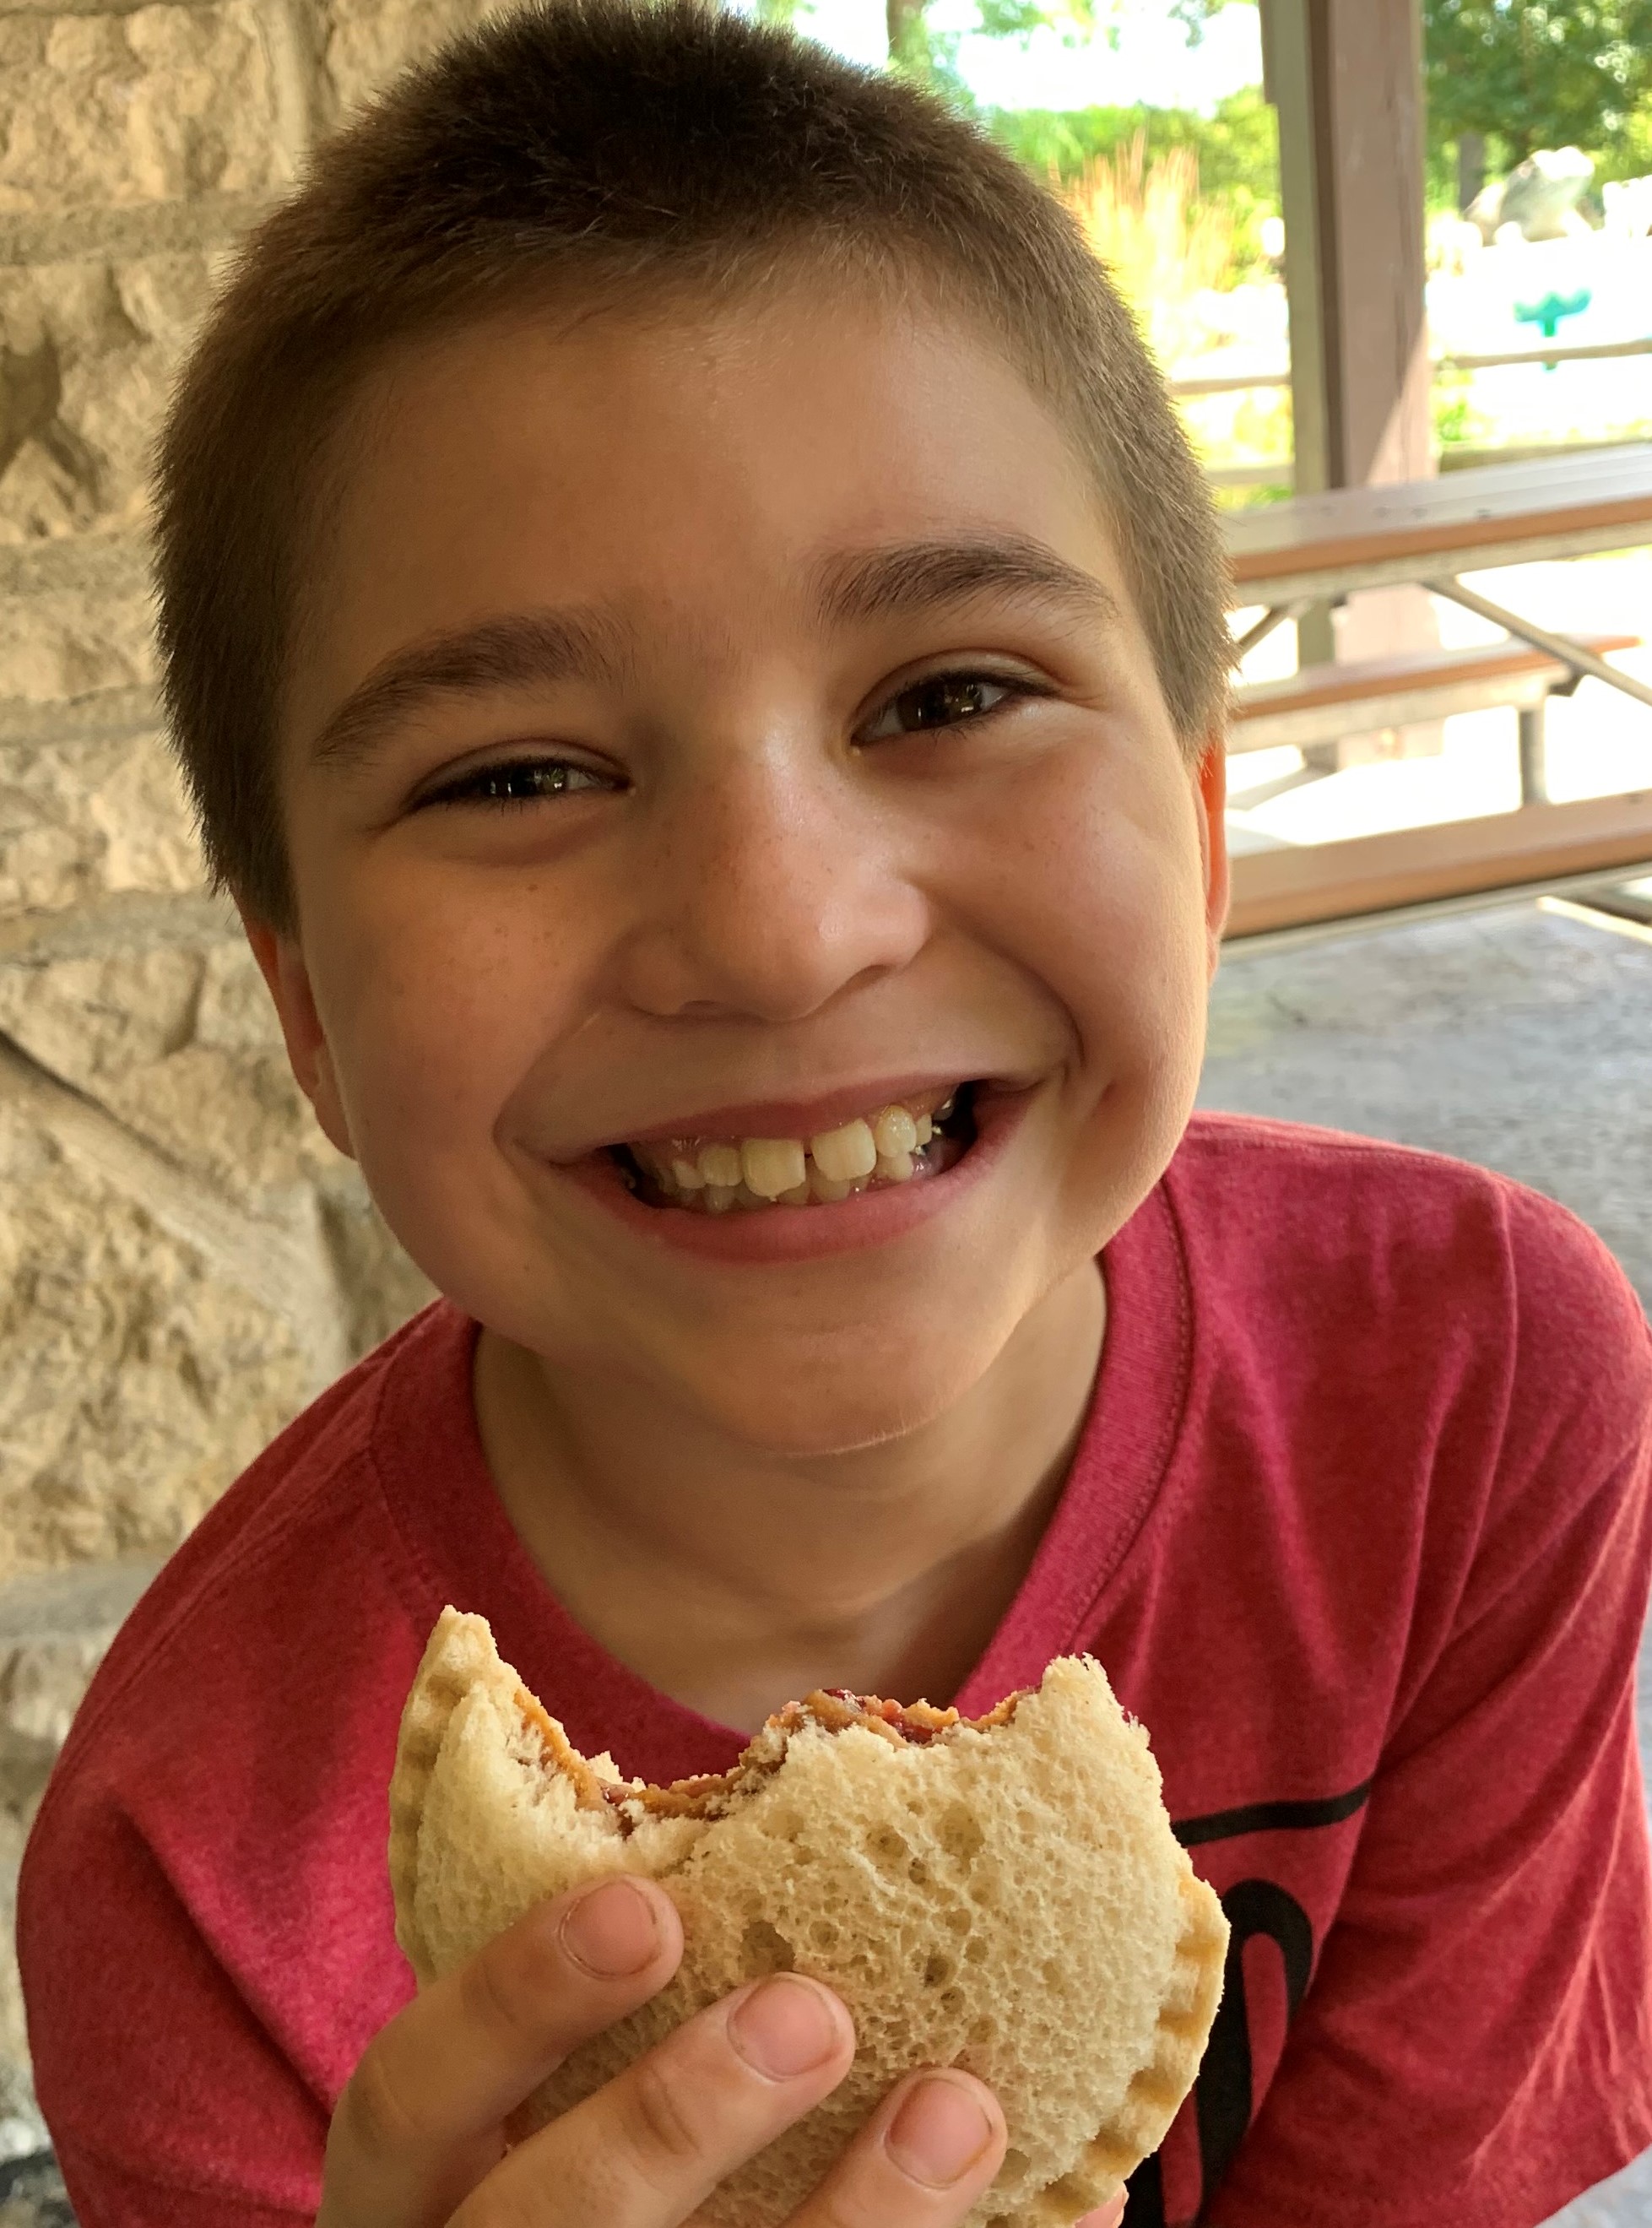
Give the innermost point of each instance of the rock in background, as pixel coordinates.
(184, 1261)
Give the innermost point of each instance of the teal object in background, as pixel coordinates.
(1547, 314)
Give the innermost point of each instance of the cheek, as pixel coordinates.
(440, 992)
(1097, 892)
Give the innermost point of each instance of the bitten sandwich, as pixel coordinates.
(1003, 1894)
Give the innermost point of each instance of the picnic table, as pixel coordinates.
(1316, 547)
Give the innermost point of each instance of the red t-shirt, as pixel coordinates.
(1360, 1525)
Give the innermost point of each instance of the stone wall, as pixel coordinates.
(184, 1261)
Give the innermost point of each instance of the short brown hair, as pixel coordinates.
(607, 149)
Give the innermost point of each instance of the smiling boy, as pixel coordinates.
(700, 650)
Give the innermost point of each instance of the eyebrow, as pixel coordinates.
(522, 650)
(517, 651)
(919, 575)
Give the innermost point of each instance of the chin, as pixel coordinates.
(828, 1402)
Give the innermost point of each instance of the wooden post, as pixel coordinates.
(1346, 79)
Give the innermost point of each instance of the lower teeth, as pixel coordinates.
(722, 1199)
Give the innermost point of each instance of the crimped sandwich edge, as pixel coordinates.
(1156, 2090)
(460, 1654)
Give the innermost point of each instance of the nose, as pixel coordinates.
(766, 887)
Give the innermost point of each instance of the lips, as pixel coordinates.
(878, 1214)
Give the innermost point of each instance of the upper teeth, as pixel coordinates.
(721, 1174)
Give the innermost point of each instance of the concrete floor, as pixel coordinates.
(1517, 1038)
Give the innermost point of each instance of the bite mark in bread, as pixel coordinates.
(713, 1795)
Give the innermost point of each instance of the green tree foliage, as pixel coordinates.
(1531, 73)
(1194, 15)
(925, 52)
(1238, 148)
(917, 46)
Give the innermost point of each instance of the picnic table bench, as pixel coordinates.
(1313, 548)
(1323, 703)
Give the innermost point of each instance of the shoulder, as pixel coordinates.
(1417, 1253)
(220, 1797)
(288, 1577)
(221, 1792)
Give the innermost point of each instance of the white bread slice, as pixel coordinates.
(1010, 1900)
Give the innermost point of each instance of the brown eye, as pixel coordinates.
(940, 699)
(518, 781)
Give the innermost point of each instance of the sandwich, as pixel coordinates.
(1002, 1893)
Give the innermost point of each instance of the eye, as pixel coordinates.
(944, 700)
(518, 781)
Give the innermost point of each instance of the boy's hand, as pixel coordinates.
(416, 2140)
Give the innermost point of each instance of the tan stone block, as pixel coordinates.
(159, 1014)
(155, 1011)
(366, 42)
(73, 642)
(82, 820)
(141, 1376)
(160, 105)
(42, 494)
(91, 349)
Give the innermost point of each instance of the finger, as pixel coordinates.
(418, 2122)
(1109, 2215)
(921, 2161)
(651, 2145)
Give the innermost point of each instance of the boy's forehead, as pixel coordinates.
(705, 465)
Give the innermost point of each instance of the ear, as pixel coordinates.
(281, 962)
(1210, 797)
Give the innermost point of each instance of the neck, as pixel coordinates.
(734, 1579)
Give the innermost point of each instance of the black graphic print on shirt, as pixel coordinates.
(1213, 2124)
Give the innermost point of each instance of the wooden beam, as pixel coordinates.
(1292, 48)
(1344, 78)
(1535, 846)
(1288, 46)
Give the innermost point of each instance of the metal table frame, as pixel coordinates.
(1582, 663)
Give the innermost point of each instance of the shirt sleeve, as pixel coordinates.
(168, 2102)
(1476, 2045)
(105, 2195)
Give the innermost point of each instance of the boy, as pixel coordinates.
(701, 652)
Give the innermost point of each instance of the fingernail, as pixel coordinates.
(938, 2133)
(784, 2026)
(612, 1930)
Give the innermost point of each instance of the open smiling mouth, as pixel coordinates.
(899, 1143)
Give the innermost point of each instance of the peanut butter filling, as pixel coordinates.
(712, 1795)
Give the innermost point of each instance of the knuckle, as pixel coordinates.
(497, 1994)
(490, 2208)
(660, 2134)
(374, 2117)
(597, 2176)
(839, 2206)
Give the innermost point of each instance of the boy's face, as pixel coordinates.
(835, 774)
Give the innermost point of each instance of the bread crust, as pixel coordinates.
(1007, 1897)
